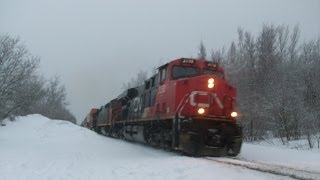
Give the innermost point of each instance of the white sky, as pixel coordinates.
(97, 45)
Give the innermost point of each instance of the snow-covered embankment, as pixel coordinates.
(35, 147)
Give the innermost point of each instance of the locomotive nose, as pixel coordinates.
(208, 96)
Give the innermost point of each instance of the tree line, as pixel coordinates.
(278, 81)
(22, 90)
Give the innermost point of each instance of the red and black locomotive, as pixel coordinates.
(187, 106)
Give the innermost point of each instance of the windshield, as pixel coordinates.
(184, 71)
(189, 71)
(210, 71)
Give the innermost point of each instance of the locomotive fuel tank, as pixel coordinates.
(134, 133)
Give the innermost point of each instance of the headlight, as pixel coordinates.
(201, 111)
(234, 114)
(210, 83)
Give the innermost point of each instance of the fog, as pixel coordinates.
(95, 46)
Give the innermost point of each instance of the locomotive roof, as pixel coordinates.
(180, 59)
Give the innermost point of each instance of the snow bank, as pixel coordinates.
(35, 147)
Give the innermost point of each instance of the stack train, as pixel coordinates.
(187, 106)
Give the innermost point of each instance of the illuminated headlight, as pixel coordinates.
(234, 114)
(201, 111)
(210, 83)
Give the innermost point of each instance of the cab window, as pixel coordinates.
(163, 74)
(184, 71)
(210, 71)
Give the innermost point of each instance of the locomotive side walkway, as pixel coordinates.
(35, 147)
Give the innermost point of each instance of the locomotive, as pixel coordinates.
(187, 106)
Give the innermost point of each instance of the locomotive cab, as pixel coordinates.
(191, 87)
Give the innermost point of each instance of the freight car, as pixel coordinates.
(187, 106)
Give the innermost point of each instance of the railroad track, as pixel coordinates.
(292, 172)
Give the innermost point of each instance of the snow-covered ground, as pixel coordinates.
(35, 147)
(302, 159)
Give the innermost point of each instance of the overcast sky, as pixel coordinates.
(97, 45)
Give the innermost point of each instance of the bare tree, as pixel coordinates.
(294, 39)
(278, 83)
(202, 54)
(232, 54)
(54, 103)
(282, 42)
(22, 90)
(17, 66)
(137, 81)
(310, 63)
(218, 56)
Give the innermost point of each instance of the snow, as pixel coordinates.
(301, 144)
(35, 147)
(300, 159)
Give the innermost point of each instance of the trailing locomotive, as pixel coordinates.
(187, 106)
(90, 120)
